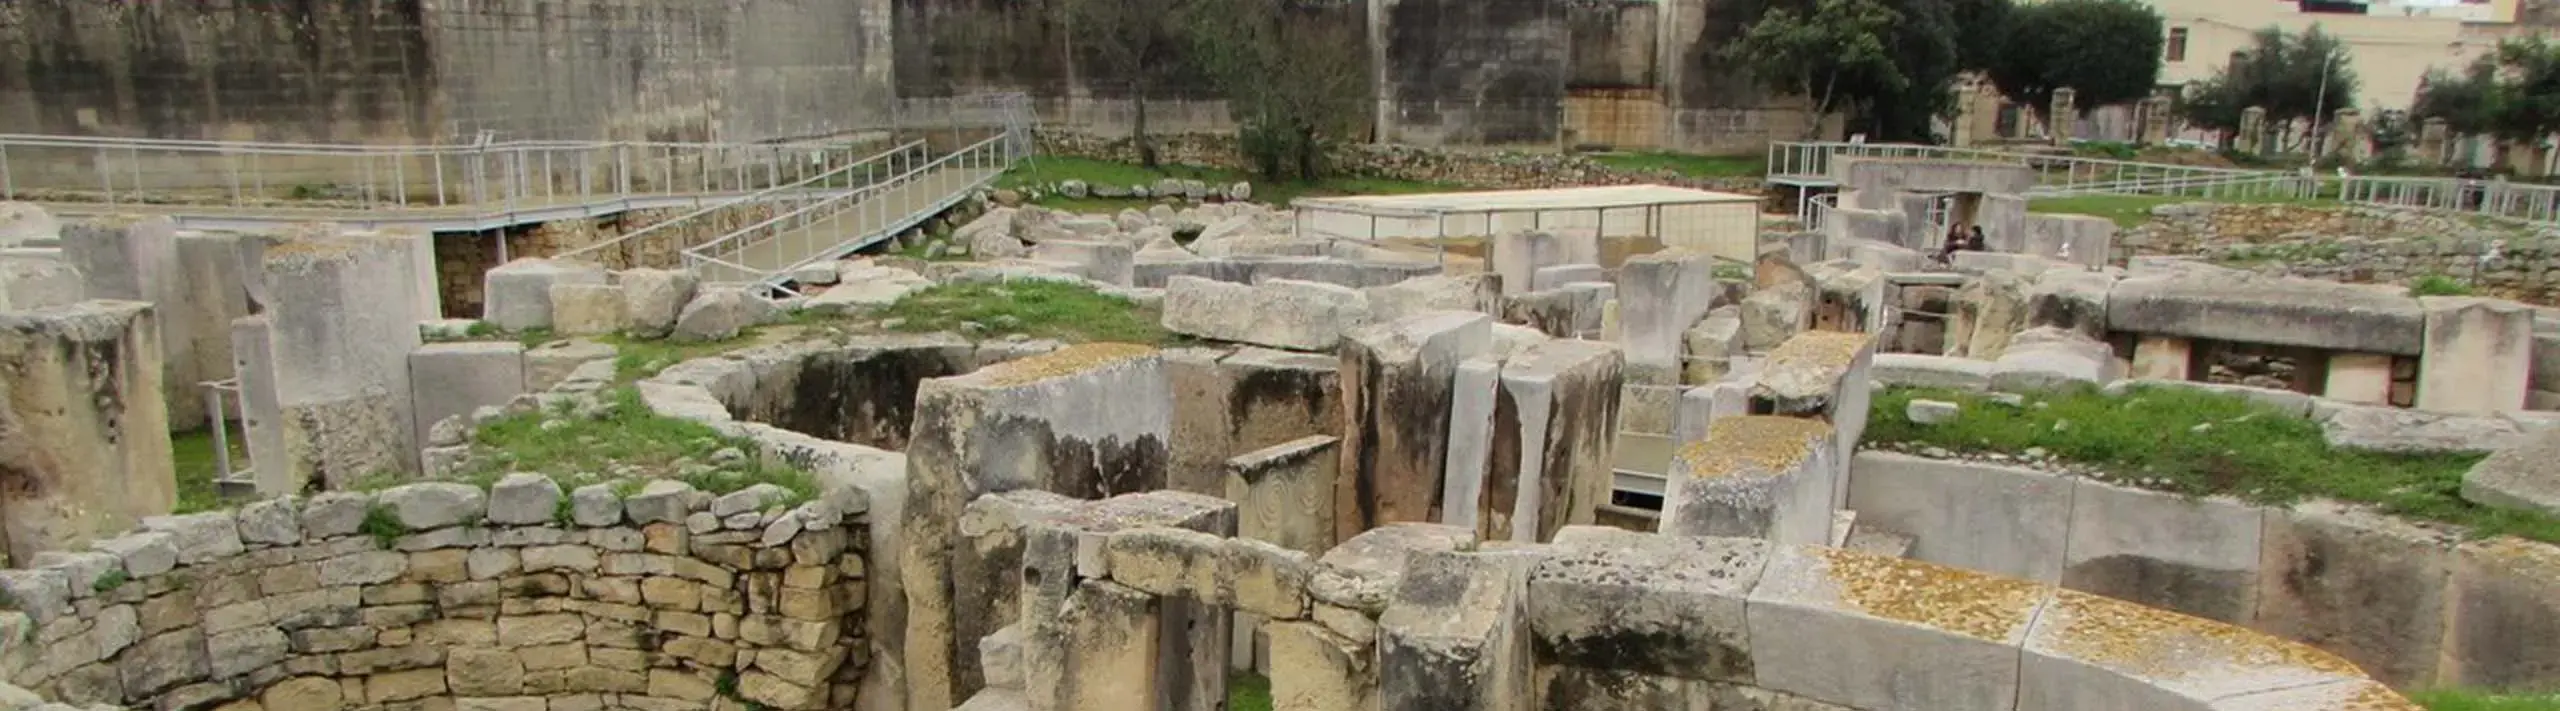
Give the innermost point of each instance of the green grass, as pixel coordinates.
(2250, 255)
(1687, 164)
(191, 453)
(2438, 285)
(2467, 700)
(1050, 169)
(1247, 691)
(637, 358)
(582, 451)
(2193, 442)
(1073, 313)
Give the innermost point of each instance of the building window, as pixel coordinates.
(2177, 44)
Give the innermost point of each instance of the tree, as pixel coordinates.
(1294, 73)
(2467, 101)
(1811, 55)
(1981, 31)
(1925, 63)
(2106, 51)
(2526, 102)
(2292, 77)
(1135, 40)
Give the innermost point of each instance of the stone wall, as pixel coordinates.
(1473, 169)
(2360, 244)
(464, 259)
(442, 595)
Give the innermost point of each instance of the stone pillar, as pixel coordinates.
(1821, 376)
(2253, 130)
(2063, 117)
(341, 319)
(1227, 404)
(1456, 636)
(1660, 295)
(2155, 120)
(1284, 493)
(1080, 421)
(83, 431)
(136, 259)
(2361, 378)
(2478, 357)
(453, 379)
(2346, 136)
(2162, 358)
(1555, 429)
(1475, 396)
(1755, 476)
(1701, 406)
(1397, 381)
(2435, 141)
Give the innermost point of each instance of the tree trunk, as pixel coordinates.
(1138, 128)
(1307, 157)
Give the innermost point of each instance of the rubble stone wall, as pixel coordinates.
(441, 596)
(1466, 168)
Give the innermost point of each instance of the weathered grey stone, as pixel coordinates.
(2272, 311)
(1931, 412)
(1774, 314)
(2050, 358)
(202, 537)
(1755, 476)
(1853, 629)
(42, 593)
(2089, 651)
(1455, 636)
(429, 505)
(29, 283)
(524, 499)
(82, 570)
(1931, 371)
(595, 506)
(2523, 476)
(1396, 380)
(2198, 556)
(2366, 586)
(518, 294)
(748, 500)
(660, 500)
(1663, 605)
(2502, 616)
(587, 309)
(867, 285)
(334, 513)
(721, 314)
(143, 553)
(1469, 292)
(163, 662)
(1279, 313)
(1363, 572)
(2000, 520)
(2391, 429)
(1985, 314)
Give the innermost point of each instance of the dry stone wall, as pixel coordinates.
(1474, 169)
(445, 596)
(2361, 244)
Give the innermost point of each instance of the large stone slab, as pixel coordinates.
(1284, 493)
(1470, 292)
(1660, 295)
(1670, 606)
(338, 318)
(1228, 404)
(2524, 476)
(1518, 255)
(1365, 572)
(1455, 637)
(2363, 585)
(2271, 311)
(2102, 654)
(28, 283)
(2502, 617)
(1087, 420)
(1822, 374)
(1754, 476)
(1396, 389)
(1556, 417)
(2198, 556)
(2001, 520)
(1870, 632)
(1280, 313)
(517, 294)
(454, 379)
(82, 425)
(2478, 355)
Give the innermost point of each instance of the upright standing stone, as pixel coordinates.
(1457, 636)
(133, 258)
(1519, 254)
(84, 445)
(1085, 421)
(1558, 425)
(1396, 389)
(336, 321)
(1754, 476)
(1228, 404)
(1822, 375)
(518, 293)
(2064, 115)
(2478, 357)
(215, 269)
(2253, 130)
(1660, 295)
(1474, 398)
(451, 379)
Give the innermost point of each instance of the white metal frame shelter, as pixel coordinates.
(1722, 224)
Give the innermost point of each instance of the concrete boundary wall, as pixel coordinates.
(2411, 604)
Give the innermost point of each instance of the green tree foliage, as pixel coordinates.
(1140, 40)
(2526, 101)
(1926, 58)
(2108, 51)
(1295, 74)
(2466, 100)
(1981, 31)
(1817, 55)
(2281, 72)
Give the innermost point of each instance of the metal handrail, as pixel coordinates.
(765, 195)
(715, 252)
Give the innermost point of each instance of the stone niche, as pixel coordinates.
(861, 391)
(443, 595)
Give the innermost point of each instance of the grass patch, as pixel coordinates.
(2468, 700)
(2438, 285)
(1049, 170)
(1686, 164)
(107, 582)
(192, 455)
(382, 524)
(637, 358)
(1073, 313)
(1247, 691)
(2194, 442)
(2132, 210)
(577, 451)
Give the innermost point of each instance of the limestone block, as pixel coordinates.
(1660, 295)
(2272, 311)
(652, 298)
(81, 415)
(1554, 452)
(1707, 349)
(454, 379)
(1455, 637)
(1284, 493)
(324, 366)
(2199, 556)
(1662, 605)
(430, 505)
(1114, 632)
(1556, 276)
(2070, 300)
(2283, 401)
(523, 499)
(1467, 292)
(721, 314)
(517, 295)
(1365, 571)
(1474, 393)
(1229, 405)
(30, 283)
(1570, 311)
(24, 223)
(2365, 586)
(866, 285)
(2478, 357)
(2392, 429)
(1169, 562)
(143, 554)
(1279, 313)
(1754, 476)
(2502, 616)
(1987, 312)
(1313, 669)
(2092, 652)
(2163, 358)
(1266, 580)
(1000, 655)
(1868, 632)
(587, 309)
(1089, 419)
(1518, 255)
(2051, 359)
(1774, 314)
(1701, 406)
(1822, 374)
(1105, 262)
(2000, 520)
(1396, 383)
(2523, 476)
(551, 364)
(1951, 372)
